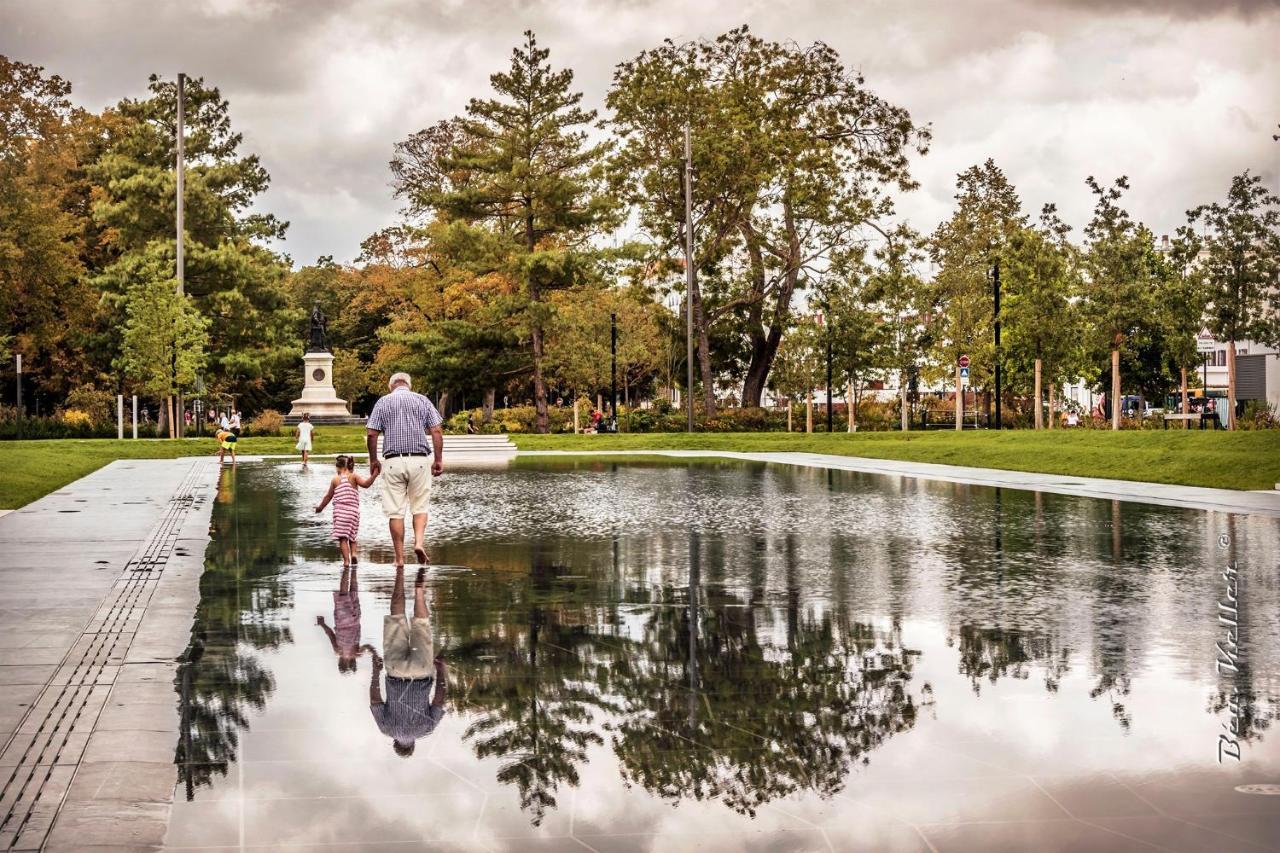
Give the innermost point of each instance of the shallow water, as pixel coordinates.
(725, 656)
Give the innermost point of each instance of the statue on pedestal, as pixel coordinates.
(319, 342)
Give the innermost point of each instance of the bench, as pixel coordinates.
(1202, 417)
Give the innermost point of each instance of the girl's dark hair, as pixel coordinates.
(343, 461)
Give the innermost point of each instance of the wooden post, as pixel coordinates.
(575, 415)
(1186, 408)
(808, 412)
(1052, 413)
(853, 427)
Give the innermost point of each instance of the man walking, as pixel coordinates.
(404, 419)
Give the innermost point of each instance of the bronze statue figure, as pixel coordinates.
(319, 342)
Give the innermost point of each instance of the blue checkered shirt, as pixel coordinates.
(403, 418)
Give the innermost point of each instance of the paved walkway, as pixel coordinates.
(100, 582)
(1189, 497)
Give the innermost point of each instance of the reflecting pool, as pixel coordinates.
(724, 656)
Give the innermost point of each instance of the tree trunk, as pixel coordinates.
(1053, 414)
(704, 353)
(1231, 385)
(575, 414)
(808, 412)
(902, 394)
(852, 403)
(489, 395)
(1039, 417)
(442, 404)
(1186, 404)
(1115, 388)
(539, 383)
(959, 402)
(788, 414)
(763, 349)
(168, 405)
(599, 402)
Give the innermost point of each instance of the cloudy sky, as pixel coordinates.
(1179, 95)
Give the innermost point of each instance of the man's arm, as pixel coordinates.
(437, 451)
(371, 442)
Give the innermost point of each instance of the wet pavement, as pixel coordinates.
(719, 655)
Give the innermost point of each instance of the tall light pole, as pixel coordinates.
(18, 374)
(826, 319)
(688, 268)
(995, 284)
(613, 369)
(181, 263)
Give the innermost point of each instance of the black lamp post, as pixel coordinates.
(827, 317)
(995, 284)
(613, 368)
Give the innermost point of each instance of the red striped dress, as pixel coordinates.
(346, 510)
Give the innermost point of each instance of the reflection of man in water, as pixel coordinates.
(415, 677)
(344, 636)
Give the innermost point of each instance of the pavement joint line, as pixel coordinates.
(105, 631)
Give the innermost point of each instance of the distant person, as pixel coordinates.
(1073, 419)
(234, 424)
(146, 415)
(224, 422)
(226, 441)
(403, 420)
(414, 701)
(344, 491)
(471, 424)
(305, 429)
(344, 636)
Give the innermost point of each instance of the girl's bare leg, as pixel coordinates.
(344, 545)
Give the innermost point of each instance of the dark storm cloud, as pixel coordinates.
(1178, 95)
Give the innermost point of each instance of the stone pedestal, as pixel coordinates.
(318, 397)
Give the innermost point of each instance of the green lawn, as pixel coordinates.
(1241, 460)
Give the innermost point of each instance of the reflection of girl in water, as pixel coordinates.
(344, 636)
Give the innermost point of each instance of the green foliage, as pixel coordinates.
(164, 340)
(233, 280)
(790, 152)
(99, 405)
(266, 422)
(521, 183)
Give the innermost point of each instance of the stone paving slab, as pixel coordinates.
(102, 579)
(1187, 497)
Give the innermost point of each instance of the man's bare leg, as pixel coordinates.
(397, 539)
(397, 594)
(420, 609)
(419, 531)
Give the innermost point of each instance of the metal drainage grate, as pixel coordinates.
(1268, 789)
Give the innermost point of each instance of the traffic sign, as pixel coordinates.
(964, 373)
(1205, 343)
(964, 361)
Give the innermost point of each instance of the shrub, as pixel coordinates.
(1259, 414)
(100, 406)
(76, 418)
(266, 422)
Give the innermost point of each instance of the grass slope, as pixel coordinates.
(1241, 460)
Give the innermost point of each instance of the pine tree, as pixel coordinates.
(518, 167)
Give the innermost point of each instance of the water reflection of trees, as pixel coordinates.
(702, 694)
(243, 608)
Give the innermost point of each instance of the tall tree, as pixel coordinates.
(46, 306)
(1117, 277)
(1183, 302)
(519, 167)
(234, 279)
(790, 152)
(987, 216)
(164, 336)
(1241, 264)
(1041, 275)
(905, 305)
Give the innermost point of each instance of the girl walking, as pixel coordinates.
(346, 506)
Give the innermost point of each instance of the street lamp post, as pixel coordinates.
(688, 269)
(826, 316)
(613, 369)
(18, 361)
(179, 418)
(995, 279)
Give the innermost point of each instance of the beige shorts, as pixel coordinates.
(406, 485)
(407, 650)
